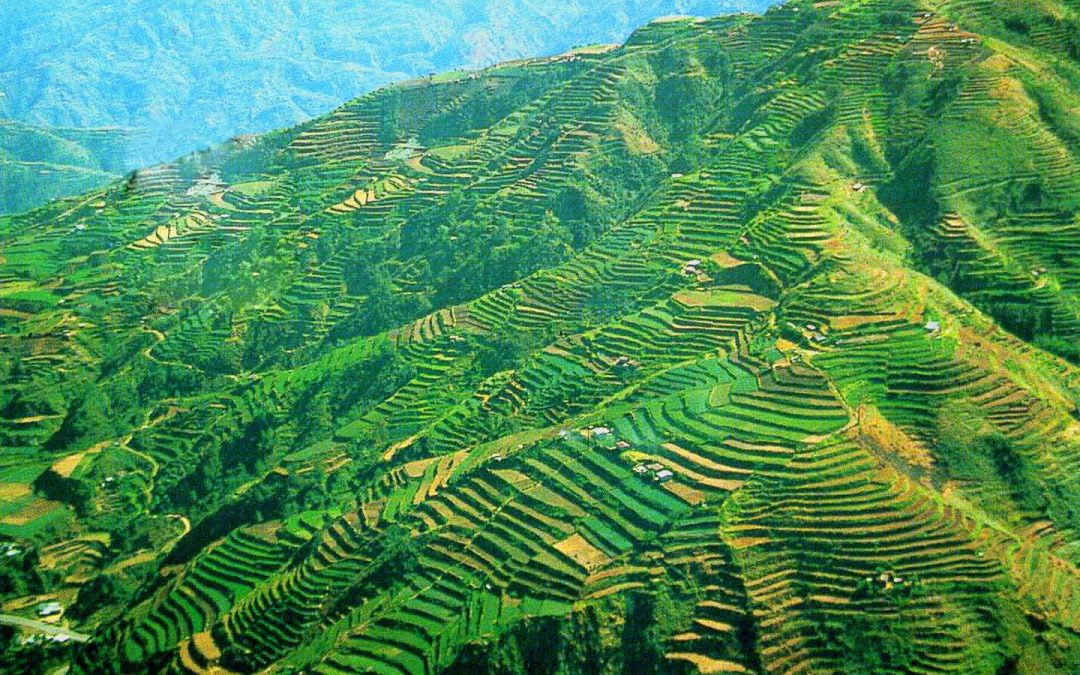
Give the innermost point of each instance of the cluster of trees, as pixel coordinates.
(462, 250)
(487, 104)
(571, 645)
(77, 493)
(972, 449)
(19, 573)
(597, 639)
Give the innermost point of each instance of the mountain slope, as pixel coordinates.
(40, 165)
(684, 355)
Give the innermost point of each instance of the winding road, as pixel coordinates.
(41, 626)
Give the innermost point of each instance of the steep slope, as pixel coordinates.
(681, 356)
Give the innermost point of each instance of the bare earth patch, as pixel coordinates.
(582, 552)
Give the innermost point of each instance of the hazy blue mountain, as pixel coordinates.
(186, 74)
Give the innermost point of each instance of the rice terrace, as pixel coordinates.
(750, 345)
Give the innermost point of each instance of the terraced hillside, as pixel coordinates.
(748, 346)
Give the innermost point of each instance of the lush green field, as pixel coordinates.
(749, 346)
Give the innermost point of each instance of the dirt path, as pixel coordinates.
(160, 337)
(148, 491)
(40, 626)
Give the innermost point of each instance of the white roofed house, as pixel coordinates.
(52, 608)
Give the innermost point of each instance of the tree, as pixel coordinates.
(583, 644)
(642, 651)
(88, 420)
(101, 591)
(381, 308)
(389, 127)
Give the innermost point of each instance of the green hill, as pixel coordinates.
(748, 346)
(39, 165)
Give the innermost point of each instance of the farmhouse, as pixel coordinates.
(49, 609)
(692, 267)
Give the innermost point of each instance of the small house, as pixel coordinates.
(622, 445)
(664, 475)
(656, 466)
(601, 431)
(933, 327)
(49, 609)
(641, 469)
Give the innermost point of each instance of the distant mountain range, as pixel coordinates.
(183, 75)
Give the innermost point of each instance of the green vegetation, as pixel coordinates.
(744, 347)
(39, 165)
